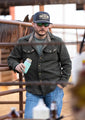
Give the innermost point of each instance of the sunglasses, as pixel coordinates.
(45, 24)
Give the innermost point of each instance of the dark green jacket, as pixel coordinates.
(53, 65)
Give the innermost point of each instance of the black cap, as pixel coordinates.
(41, 17)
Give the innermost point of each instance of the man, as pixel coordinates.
(49, 63)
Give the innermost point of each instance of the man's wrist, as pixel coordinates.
(60, 86)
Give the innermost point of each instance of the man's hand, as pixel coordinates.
(20, 67)
(59, 86)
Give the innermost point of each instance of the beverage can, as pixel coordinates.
(27, 64)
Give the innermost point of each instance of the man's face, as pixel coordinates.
(41, 28)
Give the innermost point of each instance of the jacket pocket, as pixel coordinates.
(28, 53)
(50, 50)
(51, 54)
(28, 50)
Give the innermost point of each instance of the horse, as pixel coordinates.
(10, 32)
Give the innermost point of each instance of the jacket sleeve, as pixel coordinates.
(15, 57)
(65, 62)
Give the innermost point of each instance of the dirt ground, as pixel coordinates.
(5, 109)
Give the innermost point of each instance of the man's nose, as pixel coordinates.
(43, 26)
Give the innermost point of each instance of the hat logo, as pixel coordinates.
(43, 16)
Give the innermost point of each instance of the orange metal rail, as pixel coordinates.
(62, 26)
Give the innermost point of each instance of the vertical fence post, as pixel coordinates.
(20, 80)
(20, 96)
(78, 45)
(20, 34)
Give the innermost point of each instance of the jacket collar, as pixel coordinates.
(31, 39)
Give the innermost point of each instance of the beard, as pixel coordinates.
(41, 32)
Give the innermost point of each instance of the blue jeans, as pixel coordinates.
(32, 101)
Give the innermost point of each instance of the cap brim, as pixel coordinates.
(42, 21)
